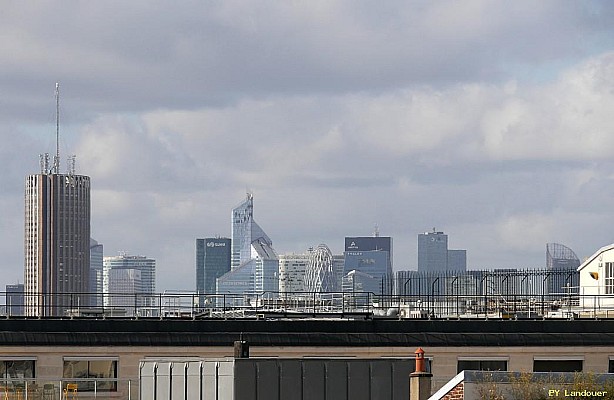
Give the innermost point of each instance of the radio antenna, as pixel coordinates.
(56, 162)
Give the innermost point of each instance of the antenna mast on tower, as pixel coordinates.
(56, 161)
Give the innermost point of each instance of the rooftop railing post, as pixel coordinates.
(436, 280)
(160, 305)
(544, 293)
(454, 283)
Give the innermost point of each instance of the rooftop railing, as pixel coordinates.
(573, 303)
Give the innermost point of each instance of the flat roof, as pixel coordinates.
(372, 333)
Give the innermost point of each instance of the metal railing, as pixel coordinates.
(573, 303)
(68, 388)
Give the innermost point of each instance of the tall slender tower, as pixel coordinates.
(57, 238)
(245, 231)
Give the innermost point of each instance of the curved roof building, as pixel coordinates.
(320, 272)
(560, 256)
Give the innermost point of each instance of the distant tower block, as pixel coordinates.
(57, 237)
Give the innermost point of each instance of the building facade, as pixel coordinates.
(254, 262)
(213, 256)
(96, 257)
(15, 299)
(320, 275)
(57, 242)
(141, 284)
(245, 231)
(433, 254)
(292, 269)
(369, 254)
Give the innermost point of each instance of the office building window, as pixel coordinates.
(611, 366)
(557, 365)
(91, 374)
(481, 365)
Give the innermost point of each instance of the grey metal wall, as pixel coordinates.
(276, 379)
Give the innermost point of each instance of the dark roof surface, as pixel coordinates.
(177, 332)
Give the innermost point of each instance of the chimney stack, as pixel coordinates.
(420, 379)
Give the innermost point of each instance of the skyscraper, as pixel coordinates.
(433, 254)
(14, 299)
(57, 235)
(561, 261)
(320, 273)
(254, 262)
(292, 269)
(96, 256)
(57, 241)
(372, 257)
(369, 254)
(212, 261)
(142, 282)
(245, 231)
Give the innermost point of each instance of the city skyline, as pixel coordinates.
(488, 120)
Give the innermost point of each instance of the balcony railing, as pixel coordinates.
(68, 388)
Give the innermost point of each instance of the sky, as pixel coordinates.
(489, 120)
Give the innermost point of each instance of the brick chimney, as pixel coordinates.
(420, 380)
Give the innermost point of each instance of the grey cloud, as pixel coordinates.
(141, 55)
(337, 115)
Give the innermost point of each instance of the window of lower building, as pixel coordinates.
(11, 370)
(91, 374)
(557, 365)
(611, 366)
(481, 365)
(609, 278)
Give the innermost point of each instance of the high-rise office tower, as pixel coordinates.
(212, 261)
(57, 239)
(372, 257)
(96, 256)
(57, 236)
(14, 299)
(561, 261)
(292, 269)
(245, 231)
(433, 254)
(129, 281)
(457, 260)
(146, 266)
(254, 262)
(369, 254)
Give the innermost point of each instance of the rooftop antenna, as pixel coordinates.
(56, 161)
(376, 230)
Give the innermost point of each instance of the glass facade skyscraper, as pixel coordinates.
(369, 254)
(212, 261)
(254, 263)
(96, 257)
(245, 231)
(144, 281)
(433, 254)
(320, 273)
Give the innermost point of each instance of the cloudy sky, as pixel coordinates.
(492, 121)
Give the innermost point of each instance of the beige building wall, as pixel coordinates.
(49, 360)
